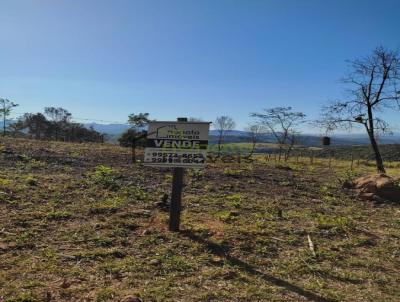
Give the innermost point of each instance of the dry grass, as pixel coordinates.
(79, 223)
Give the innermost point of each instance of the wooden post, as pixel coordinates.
(352, 161)
(176, 195)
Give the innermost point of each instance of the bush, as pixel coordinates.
(105, 176)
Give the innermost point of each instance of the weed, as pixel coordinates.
(232, 172)
(347, 175)
(105, 294)
(25, 240)
(105, 176)
(135, 194)
(334, 224)
(110, 205)
(31, 180)
(30, 163)
(174, 263)
(24, 297)
(227, 215)
(5, 182)
(234, 200)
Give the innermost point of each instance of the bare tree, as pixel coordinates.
(223, 124)
(254, 131)
(6, 107)
(374, 85)
(282, 123)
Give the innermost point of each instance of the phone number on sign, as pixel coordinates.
(159, 157)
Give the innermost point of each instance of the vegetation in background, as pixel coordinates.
(6, 106)
(136, 135)
(58, 127)
(223, 124)
(374, 83)
(282, 122)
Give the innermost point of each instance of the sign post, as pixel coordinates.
(176, 195)
(180, 145)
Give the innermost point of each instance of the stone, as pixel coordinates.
(366, 196)
(377, 186)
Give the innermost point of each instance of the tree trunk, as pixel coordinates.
(280, 153)
(252, 150)
(220, 144)
(4, 118)
(371, 133)
(134, 151)
(378, 157)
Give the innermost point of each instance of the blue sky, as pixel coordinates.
(105, 59)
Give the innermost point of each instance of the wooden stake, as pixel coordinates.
(176, 200)
(352, 161)
(176, 196)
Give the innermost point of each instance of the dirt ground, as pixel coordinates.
(80, 222)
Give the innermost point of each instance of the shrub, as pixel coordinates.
(105, 176)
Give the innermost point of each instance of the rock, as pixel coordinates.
(366, 196)
(377, 187)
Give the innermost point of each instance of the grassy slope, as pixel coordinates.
(69, 230)
(389, 153)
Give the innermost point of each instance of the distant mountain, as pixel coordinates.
(350, 139)
(236, 136)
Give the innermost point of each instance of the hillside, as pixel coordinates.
(236, 136)
(79, 222)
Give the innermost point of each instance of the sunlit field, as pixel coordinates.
(80, 221)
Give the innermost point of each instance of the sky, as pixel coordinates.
(103, 60)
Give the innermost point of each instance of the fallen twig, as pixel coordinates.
(311, 246)
(7, 233)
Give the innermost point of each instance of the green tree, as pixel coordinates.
(126, 139)
(138, 120)
(37, 124)
(60, 120)
(135, 135)
(6, 107)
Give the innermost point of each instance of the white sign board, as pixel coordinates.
(177, 144)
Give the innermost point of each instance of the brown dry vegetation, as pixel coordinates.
(78, 222)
